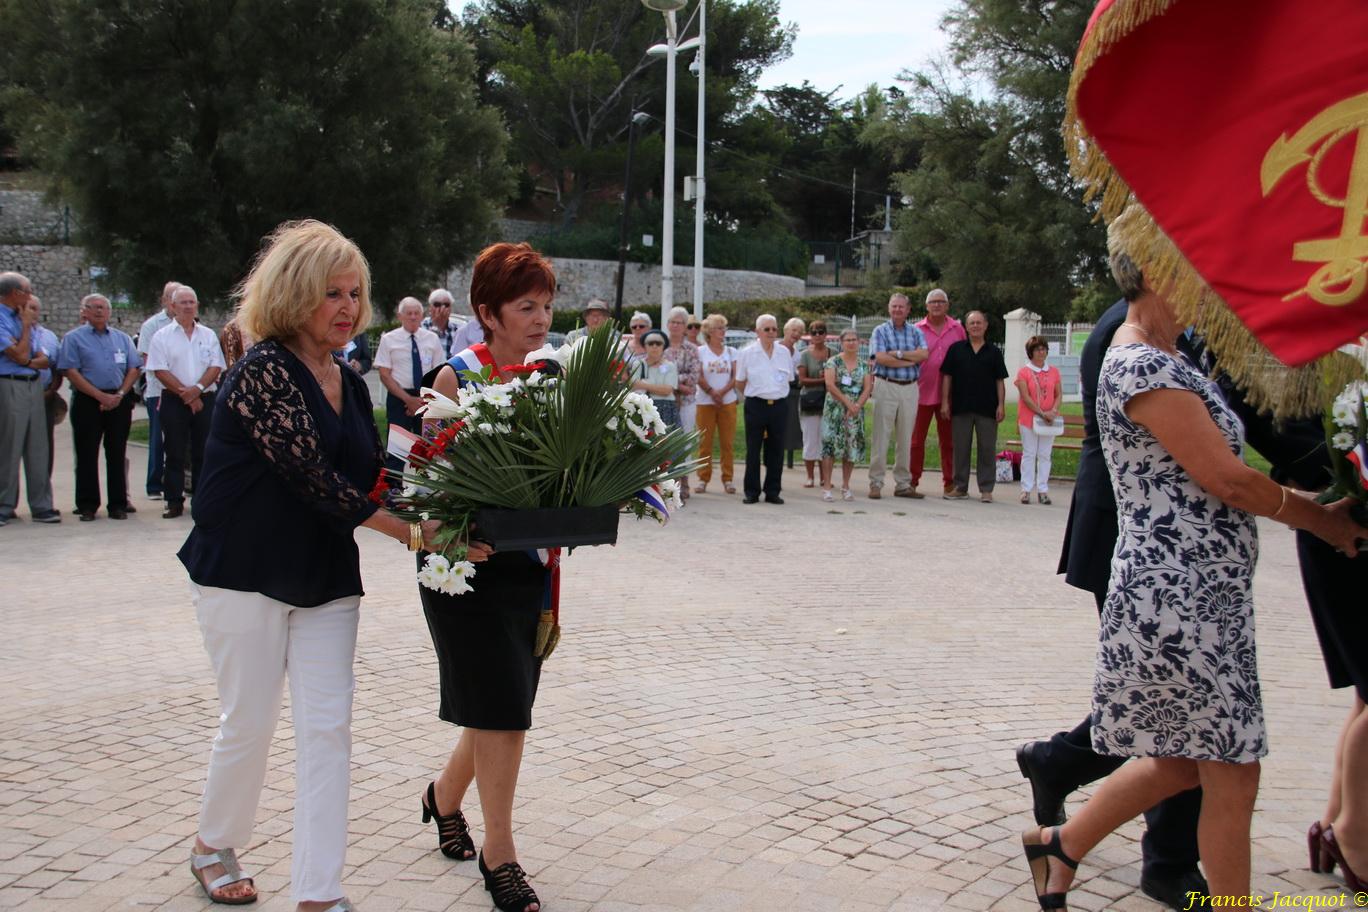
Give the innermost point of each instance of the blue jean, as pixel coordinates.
(154, 446)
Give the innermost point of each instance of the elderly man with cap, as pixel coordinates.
(101, 364)
(595, 313)
(23, 418)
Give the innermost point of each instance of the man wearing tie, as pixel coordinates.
(402, 357)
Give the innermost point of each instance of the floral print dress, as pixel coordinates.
(1176, 673)
(843, 437)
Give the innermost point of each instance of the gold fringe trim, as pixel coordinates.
(1268, 384)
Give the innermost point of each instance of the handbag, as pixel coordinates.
(1039, 425)
(810, 400)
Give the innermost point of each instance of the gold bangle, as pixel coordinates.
(415, 542)
(1282, 506)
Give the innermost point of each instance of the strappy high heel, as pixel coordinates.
(1320, 860)
(1332, 848)
(453, 833)
(1038, 855)
(507, 885)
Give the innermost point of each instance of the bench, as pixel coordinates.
(1071, 439)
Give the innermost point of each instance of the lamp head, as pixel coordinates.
(665, 6)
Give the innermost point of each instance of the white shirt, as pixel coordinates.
(467, 336)
(716, 372)
(395, 352)
(766, 376)
(185, 357)
(151, 326)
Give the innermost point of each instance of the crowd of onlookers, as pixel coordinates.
(798, 386)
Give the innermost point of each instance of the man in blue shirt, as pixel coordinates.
(23, 435)
(102, 363)
(50, 379)
(898, 349)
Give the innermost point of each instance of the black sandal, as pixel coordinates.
(453, 833)
(1038, 855)
(508, 886)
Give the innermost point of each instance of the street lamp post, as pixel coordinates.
(668, 8)
(699, 183)
(638, 118)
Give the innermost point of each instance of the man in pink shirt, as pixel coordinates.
(941, 331)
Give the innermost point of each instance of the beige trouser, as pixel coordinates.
(895, 412)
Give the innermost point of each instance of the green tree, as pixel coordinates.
(567, 74)
(183, 131)
(992, 212)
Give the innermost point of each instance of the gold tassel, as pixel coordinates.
(548, 635)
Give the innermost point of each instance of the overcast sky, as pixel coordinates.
(852, 43)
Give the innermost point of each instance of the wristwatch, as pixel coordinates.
(898, 354)
(200, 387)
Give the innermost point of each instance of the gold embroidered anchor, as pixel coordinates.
(1344, 271)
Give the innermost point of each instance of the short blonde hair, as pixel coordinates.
(794, 321)
(290, 279)
(711, 323)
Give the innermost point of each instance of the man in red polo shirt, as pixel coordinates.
(940, 331)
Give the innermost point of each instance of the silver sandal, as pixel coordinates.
(342, 905)
(234, 874)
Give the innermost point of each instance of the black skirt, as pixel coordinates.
(484, 642)
(1334, 591)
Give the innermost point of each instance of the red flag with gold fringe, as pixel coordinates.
(1241, 126)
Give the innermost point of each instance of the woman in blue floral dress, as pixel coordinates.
(1176, 680)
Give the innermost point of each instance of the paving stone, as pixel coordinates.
(770, 707)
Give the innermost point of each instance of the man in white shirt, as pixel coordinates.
(470, 333)
(152, 394)
(186, 359)
(402, 357)
(764, 370)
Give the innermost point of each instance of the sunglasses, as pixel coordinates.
(441, 304)
(655, 343)
(695, 326)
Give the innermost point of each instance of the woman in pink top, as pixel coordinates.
(1039, 388)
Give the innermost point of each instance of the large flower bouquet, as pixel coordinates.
(1346, 429)
(561, 438)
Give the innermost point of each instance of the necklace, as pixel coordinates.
(1138, 328)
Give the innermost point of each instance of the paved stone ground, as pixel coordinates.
(802, 707)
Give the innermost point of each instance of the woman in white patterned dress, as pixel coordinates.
(1176, 679)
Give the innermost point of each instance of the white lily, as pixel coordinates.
(436, 405)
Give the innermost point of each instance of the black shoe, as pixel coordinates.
(48, 516)
(1173, 891)
(508, 886)
(1046, 804)
(129, 508)
(173, 510)
(773, 498)
(453, 833)
(118, 514)
(750, 500)
(87, 516)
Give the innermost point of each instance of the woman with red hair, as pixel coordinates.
(485, 638)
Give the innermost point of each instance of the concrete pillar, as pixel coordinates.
(1021, 325)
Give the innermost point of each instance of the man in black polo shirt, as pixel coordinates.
(973, 397)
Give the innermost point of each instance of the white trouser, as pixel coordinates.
(812, 436)
(1035, 460)
(254, 643)
(688, 413)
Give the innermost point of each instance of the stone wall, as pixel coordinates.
(579, 280)
(60, 277)
(25, 218)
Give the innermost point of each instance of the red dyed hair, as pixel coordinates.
(505, 273)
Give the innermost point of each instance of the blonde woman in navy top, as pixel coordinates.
(275, 575)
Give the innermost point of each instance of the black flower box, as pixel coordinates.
(552, 527)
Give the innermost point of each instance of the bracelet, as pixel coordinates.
(1282, 506)
(415, 542)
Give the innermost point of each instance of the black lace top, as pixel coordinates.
(284, 484)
